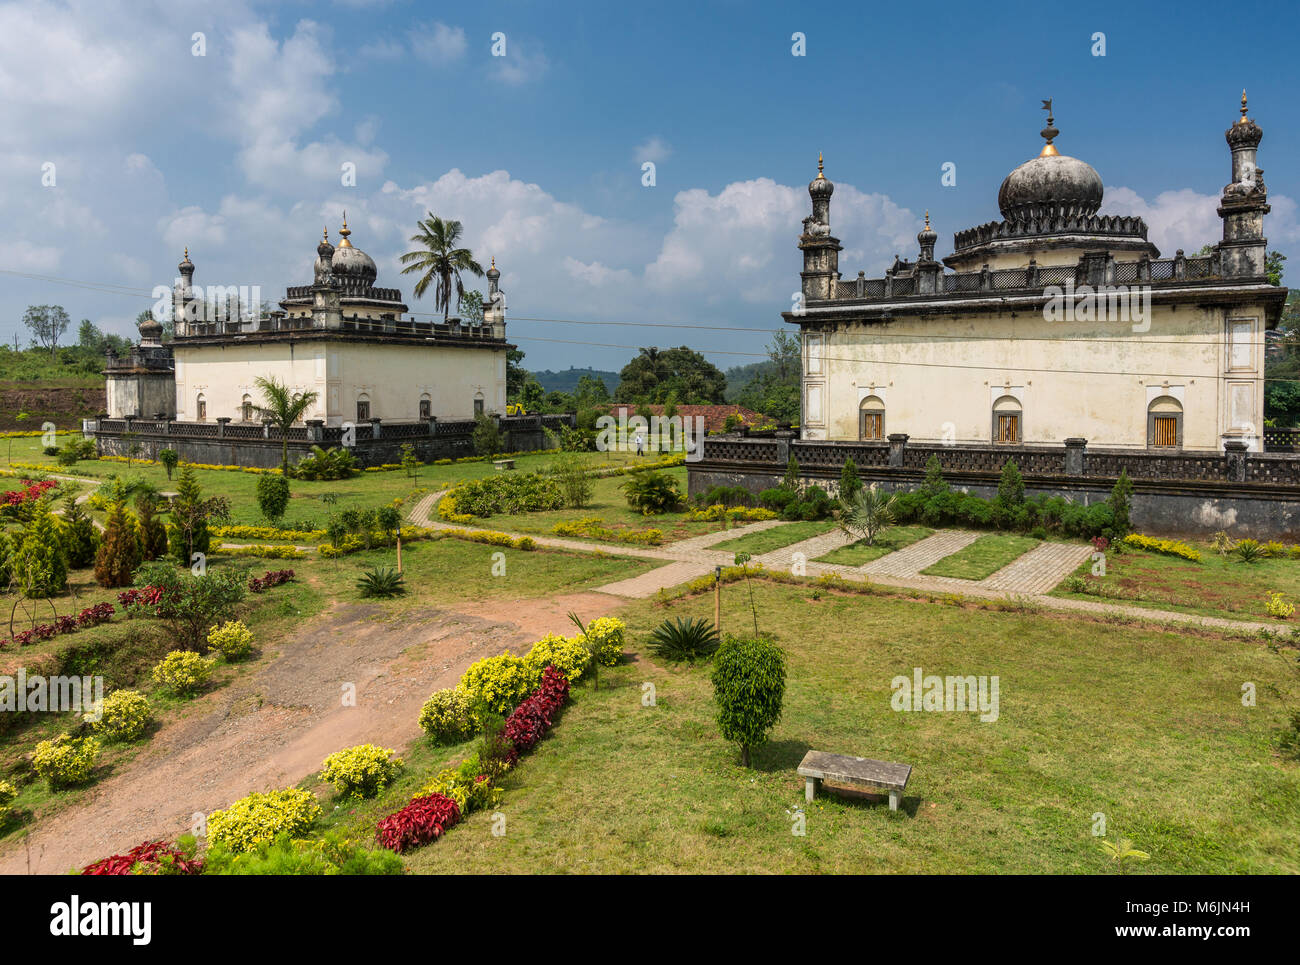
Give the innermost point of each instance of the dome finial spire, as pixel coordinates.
(927, 219)
(820, 164)
(344, 232)
(1049, 132)
(1243, 106)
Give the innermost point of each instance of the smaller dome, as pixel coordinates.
(820, 187)
(186, 264)
(493, 272)
(325, 250)
(349, 261)
(151, 331)
(926, 236)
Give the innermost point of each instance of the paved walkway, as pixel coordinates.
(911, 560)
(1027, 579)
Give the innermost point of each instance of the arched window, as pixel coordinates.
(426, 407)
(478, 404)
(363, 408)
(1008, 421)
(871, 419)
(1165, 423)
(246, 409)
(201, 409)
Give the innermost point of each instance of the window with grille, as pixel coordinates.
(873, 425)
(248, 411)
(1164, 431)
(426, 408)
(363, 410)
(202, 410)
(1008, 427)
(478, 407)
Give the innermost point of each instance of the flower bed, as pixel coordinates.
(423, 820)
(533, 718)
(89, 617)
(30, 492)
(150, 858)
(272, 578)
(1168, 547)
(593, 527)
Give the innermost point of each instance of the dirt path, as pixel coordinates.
(273, 727)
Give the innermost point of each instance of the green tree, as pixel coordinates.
(791, 479)
(47, 323)
(153, 531)
(410, 461)
(79, 537)
(1119, 501)
(934, 484)
(191, 604)
(531, 396)
(867, 513)
(749, 687)
(273, 496)
(41, 564)
(1273, 267)
(439, 262)
(516, 375)
(1011, 486)
(119, 552)
(470, 307)
(190, 512)
(486, 436)
(283, 407)
(850, 484)
(653, 374)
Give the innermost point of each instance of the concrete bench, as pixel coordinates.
(503, 464)
(818, 766)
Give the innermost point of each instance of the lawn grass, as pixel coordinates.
(1220, 586)
(984, 557)
(609, 505)
(1144, 726)
(778, 537)
(890, 539)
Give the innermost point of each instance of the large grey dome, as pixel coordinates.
(350, 261)
(1051, 185)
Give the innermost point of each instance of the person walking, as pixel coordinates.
(640, 444)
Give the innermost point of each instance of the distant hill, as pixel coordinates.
(567, 380)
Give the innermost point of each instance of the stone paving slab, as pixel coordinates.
(1039, 570)
(911, 560)
(811, 548)
(664, 577)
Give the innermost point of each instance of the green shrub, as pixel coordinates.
(849, 481)
(119, 553)
(652, 492)
(361, 771)
(569, 655)
(78, 534)
(499, 684)
(192, 604)
(749, 686)
(272, 495)
(448, 716)
(329, 854)
(381, 582)
(8, 794)
(1121, 496)
(604, 638)
(233, 640)
(40, 564)
(1011, 486)
(507, 493)
(123, 717)
(260, 818)
(183, 672)
(327, 464)
(466, 784)
(65, 760)
(170, 459)
(686, 638)
(486, 436)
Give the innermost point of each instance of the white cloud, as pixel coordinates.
(654, 149)
(1187, 219)
(382, 49)
(523, 63)
(438, 44)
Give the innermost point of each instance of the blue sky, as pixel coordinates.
(237, 153)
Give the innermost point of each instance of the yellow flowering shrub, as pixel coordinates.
(463, 785)
(500, 683)
(1168, 547)
(183, 672)
(605, 639)
(569, 655)
(123, 716)
(8, 793)
(233, 640)
(263, 552)
(1277, 606)
(448, 715)
(268, 533)
(257, 819)
(65, 760)
(447, 510)
(492, 538)
(363, 771)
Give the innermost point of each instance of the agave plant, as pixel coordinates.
(382, 582)
(1249, 551)
(867, 513)
(331, 463)
(687, 638)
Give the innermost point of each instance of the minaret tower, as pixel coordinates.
(1244, 204)
(494, 308)
(821, 251)
(183, 296)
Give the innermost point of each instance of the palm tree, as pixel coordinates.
(283, 407)
(867, 513)
(439, 260)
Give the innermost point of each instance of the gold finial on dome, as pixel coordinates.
(1243, 106)
(820, 164)
(927, 220)
(344, 232)
(494, 261)
(327, 233)
(1049, 132)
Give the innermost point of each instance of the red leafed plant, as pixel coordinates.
(533, 718)
(152, 858)
(272, 578)
(31, 491)
(425, 819)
